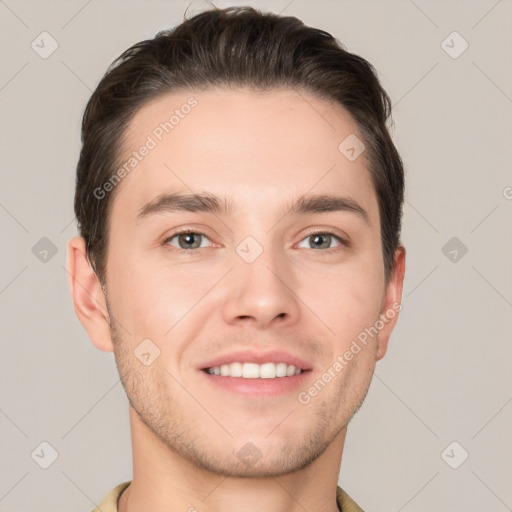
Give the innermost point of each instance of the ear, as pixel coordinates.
(88, 297)
(391, 305)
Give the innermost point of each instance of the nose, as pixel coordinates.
(261, 293)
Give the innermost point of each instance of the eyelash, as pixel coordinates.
(343, 243)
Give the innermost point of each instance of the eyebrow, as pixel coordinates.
(210, 203)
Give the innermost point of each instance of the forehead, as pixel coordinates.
(257, 149)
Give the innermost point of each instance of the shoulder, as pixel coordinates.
(109, 502)
(345, 502)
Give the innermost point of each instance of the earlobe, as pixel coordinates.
(392, 303)
(88, 297)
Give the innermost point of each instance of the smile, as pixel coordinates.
(255, 371)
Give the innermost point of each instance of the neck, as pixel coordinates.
(163, 480)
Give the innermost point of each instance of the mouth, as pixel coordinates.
(270, 370)
(256, 374)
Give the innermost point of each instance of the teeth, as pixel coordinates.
(281, 369)
(250, 371)
(255, 371)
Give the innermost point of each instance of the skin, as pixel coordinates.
(262, 150)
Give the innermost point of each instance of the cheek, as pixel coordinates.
(351, 304)
(137, 297)
(157, 302)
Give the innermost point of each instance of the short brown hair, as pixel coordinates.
(235, 47)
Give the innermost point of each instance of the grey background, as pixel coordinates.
(446, 376)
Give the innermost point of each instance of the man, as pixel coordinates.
(239, 202)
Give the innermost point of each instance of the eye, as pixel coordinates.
(323, 240)
(187, 240)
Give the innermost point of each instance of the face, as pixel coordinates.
(252, 277)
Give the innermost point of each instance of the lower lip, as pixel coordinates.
(258, 387)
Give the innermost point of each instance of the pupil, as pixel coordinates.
(189, 239)
(317, 237)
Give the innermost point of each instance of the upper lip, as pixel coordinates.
(250, 356)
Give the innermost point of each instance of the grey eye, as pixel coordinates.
(322, 240)
(187, 240)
